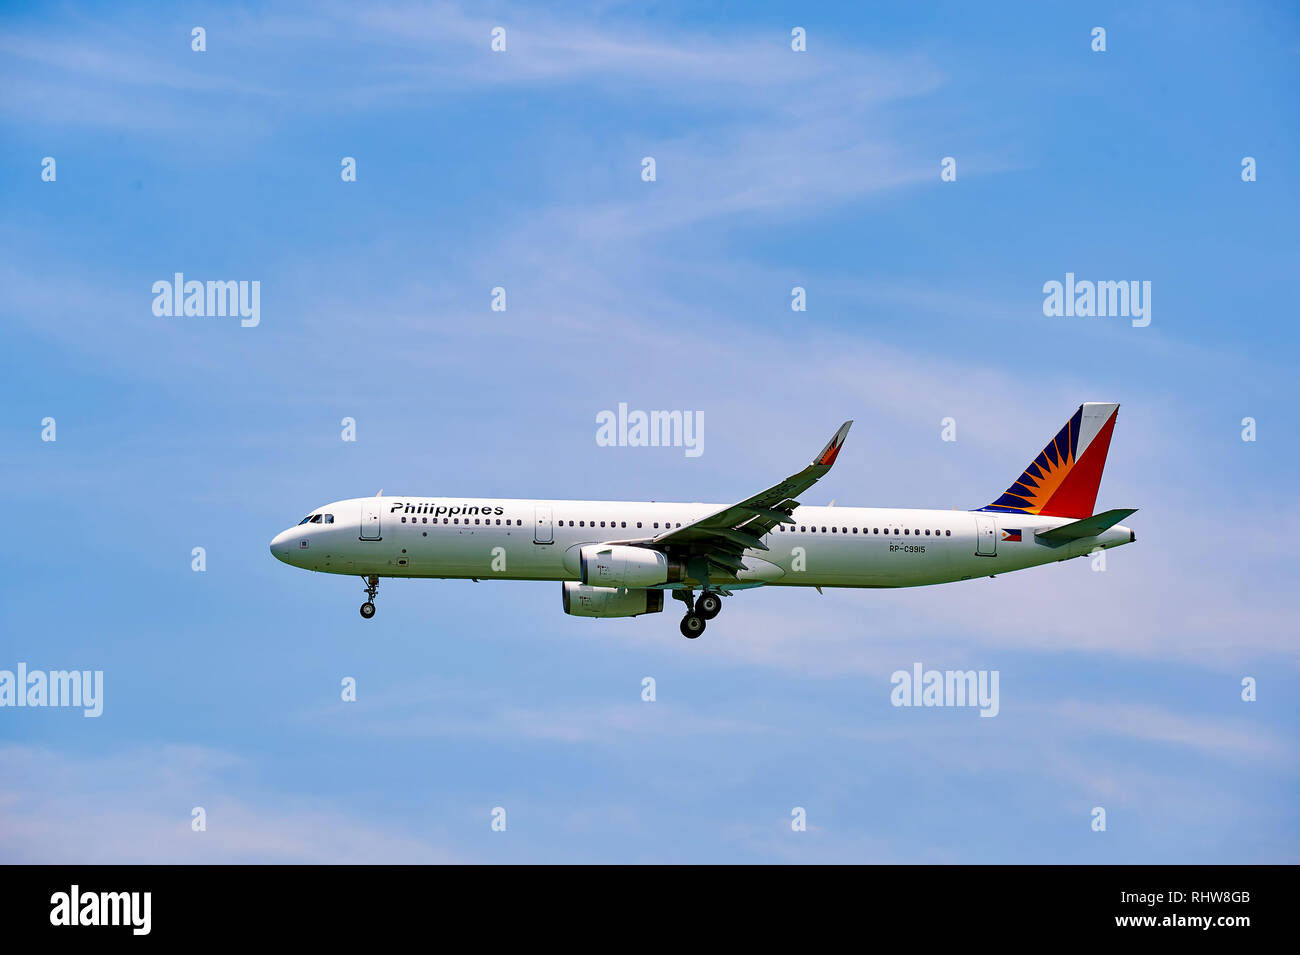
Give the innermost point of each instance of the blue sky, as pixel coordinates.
(522, 170)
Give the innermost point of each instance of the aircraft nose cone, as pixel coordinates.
(282, 545)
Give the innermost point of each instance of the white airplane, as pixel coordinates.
(618, 558)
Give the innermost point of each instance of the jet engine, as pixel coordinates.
(618, 565)
(583, 601)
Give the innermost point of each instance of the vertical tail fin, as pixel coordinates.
(1063, 480)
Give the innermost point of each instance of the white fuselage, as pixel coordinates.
(540, 540)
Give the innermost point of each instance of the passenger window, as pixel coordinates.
(835, 530)
(947, 533)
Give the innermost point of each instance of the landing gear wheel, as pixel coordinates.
(372, 591)
(709, 605)
(692, 626)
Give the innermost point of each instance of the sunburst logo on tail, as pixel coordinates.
(1063, 480)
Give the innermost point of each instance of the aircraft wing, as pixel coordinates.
(721, 537)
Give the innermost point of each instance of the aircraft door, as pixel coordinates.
(543, 529)
(370, 530)
(986, 538)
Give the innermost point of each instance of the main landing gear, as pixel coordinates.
(709, 605)
(698, 611)
(372, 590)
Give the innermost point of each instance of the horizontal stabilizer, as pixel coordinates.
(1088, 527)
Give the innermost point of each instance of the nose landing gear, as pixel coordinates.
(372, 591)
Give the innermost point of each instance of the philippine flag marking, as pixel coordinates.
(1010, 535)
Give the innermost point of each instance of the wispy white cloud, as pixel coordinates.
(449, 712)
(1237, 738)
(134, 807)
(332, 57)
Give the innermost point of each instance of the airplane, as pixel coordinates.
(619, 558)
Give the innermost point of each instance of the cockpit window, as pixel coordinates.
(315, 518)
(304, 520)
(329, 518)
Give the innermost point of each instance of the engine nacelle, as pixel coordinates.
(618, 565)
(583, 601)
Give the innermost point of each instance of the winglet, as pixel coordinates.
(832, 449)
